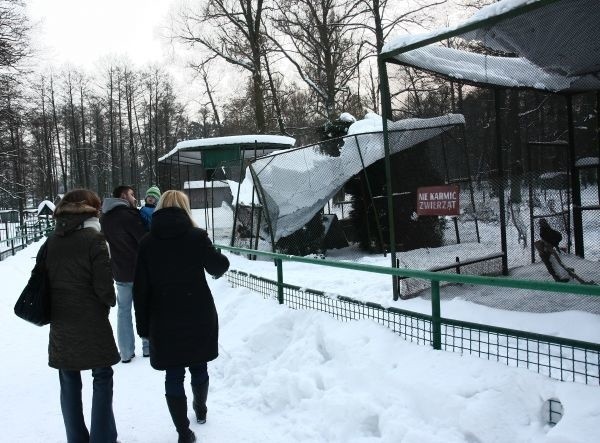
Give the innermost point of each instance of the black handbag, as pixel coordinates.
(34, 303)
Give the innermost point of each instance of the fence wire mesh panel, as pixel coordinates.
(565, 360)
(410, 326)
(558, 358)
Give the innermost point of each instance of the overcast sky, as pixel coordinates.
(81, 32)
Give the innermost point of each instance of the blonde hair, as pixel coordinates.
(176, 199)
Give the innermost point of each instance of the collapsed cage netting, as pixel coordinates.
(295, 185)
(319, 197)
(561, 359)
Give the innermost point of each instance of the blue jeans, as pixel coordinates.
(175, 376)
(103, 428)
(125, 335)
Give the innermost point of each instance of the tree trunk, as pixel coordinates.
(275, 96)
(84, 148)
(55, 120)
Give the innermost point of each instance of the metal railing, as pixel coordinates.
(559, 358)
(25, 235)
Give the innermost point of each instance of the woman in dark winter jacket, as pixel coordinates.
(174, 306)
(81, 337)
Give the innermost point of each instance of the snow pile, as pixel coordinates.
(247, 193)
(298, 376)
(347, 117)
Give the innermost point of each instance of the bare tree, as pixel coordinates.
(231, 30)
(62, 160)
(203, 74)
(320, 45)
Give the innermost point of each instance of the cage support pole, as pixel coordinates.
(212, 206)
(237, 198)
(205, 202)
(386, 107)
(187, 167)
(252, 207)
(471, 191)
(251, 219)
(178, 171)
(375, 214)
(530, 190)
(575, 185)
(598, 142)
(499, 160)
(263, 201)
(447, 179)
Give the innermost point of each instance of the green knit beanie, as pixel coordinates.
(153, 191)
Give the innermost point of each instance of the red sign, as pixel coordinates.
(438, 200)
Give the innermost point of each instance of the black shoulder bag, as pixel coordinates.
(34, 303)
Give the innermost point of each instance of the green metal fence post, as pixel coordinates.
(436, 323)
(279, 265)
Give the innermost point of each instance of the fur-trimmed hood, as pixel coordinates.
(71, 216)
(75, 208)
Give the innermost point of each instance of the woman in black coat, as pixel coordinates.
(174, 306)
(81, 337)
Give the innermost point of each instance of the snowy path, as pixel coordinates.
(298, 376)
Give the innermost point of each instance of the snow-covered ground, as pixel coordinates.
(300, 376)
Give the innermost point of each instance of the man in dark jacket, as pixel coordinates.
(122, 225)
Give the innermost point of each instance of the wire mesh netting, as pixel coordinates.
(525, 77)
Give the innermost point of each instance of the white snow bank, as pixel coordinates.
(247, 193)
(295, 377)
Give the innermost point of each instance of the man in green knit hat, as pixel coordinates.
(152, 197)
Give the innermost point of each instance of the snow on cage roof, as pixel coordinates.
(190, 150)
(557, 43)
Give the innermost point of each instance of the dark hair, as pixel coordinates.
(120, 190)
(85, 196)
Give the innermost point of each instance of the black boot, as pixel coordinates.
(200, 395)
(178, 409)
